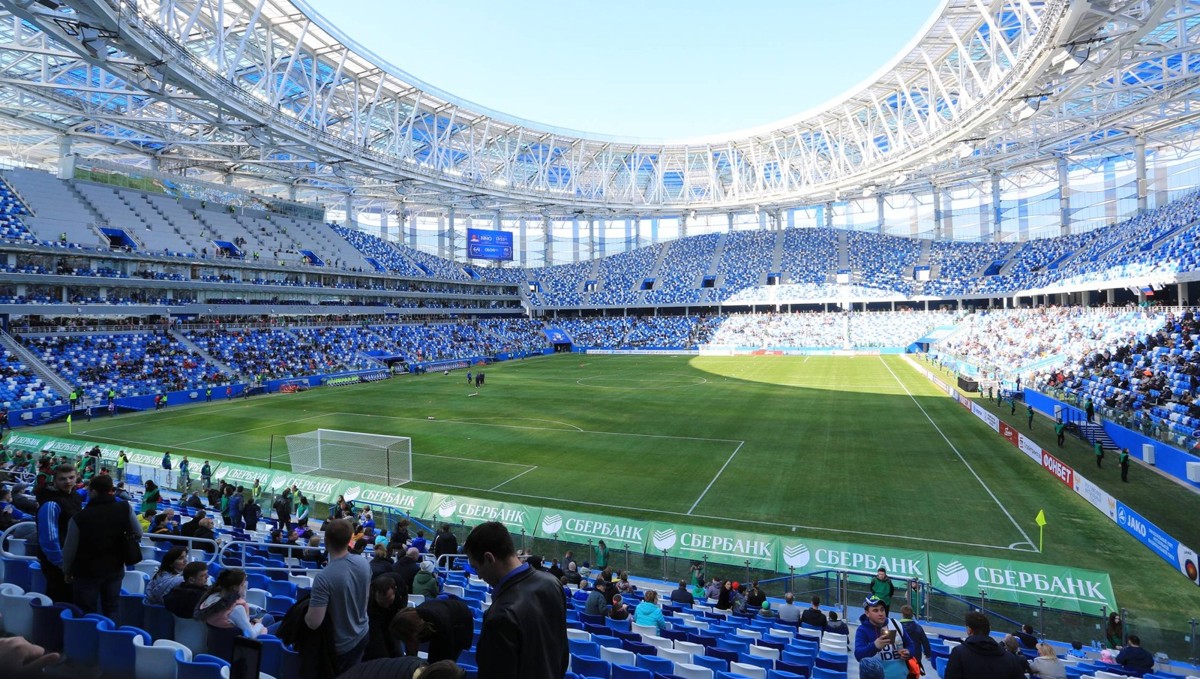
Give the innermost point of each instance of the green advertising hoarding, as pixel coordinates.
(470, 512)
(413, 502)
(1021, 582)
(617, 533)
(716, 544)
(808, 556)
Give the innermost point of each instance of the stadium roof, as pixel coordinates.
(267, 94)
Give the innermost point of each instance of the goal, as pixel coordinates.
(352, 455)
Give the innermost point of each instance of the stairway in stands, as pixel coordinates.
(1093, 432)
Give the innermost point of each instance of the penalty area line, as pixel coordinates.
(513, 478)
(718, 475)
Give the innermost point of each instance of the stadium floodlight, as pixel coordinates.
(899, 178)
(1026, 107)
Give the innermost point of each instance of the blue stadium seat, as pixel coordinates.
(590, 667)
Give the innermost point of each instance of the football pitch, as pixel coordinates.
(855, 449)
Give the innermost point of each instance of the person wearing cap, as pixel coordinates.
(426, 583)
(882, 638)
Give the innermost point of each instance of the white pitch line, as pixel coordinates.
(513, 478)
(714, 479)
(517, 426)
(960, 455)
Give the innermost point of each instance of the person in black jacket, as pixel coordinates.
(182, 600)
(408, 566)
(381, 562)
(389, 596)
(94, 553)
(524, 634)
(979, 656)
(445, 542)
(446, 624)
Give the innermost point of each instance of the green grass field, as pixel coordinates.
(856, 449)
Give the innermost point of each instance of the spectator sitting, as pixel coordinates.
(426, 583)
(755, 598)
(1014, 647)
(725, 598)
(618, 610)
(648, 613)
(169, 575)
(146, 518)
(1135, 658)
(624, 586)
(162, 523)
(789, 612)
(572, 574)
(836, 626)
(682, 596)
(182, 600)
(813, 615)
(224, 605)
(313, 551)
(1047, 665)
(1026, 637)
(1077, 650)
(597, 602)
(381, 561)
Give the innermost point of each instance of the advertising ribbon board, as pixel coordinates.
(807, 556)
(575, 527)
(412, 502)
(470, 512)
(720, 546)
(1020, 582)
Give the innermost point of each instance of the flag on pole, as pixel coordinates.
(1041, 522)
(69, 430)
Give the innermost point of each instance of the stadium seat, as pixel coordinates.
(746, 670)
(158, 661)
(781, 674)
(16, 613)
(590, 667)
(81, 639)
(688, 671)
(626, 672)
(656, 664)
(203, 667)
(116, 649)
(617, 656)
(585, 648)
(714, 664)
(48, 624)
(192, 634)
(675, 656)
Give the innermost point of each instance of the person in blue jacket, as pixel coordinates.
(882, 638)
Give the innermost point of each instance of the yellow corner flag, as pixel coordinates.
(1041, 522)
(69, 431)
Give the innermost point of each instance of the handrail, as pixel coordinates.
(191, 544)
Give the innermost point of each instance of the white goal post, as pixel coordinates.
(352, 455)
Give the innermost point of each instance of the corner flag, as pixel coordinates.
(69, 428)
(1041, 522)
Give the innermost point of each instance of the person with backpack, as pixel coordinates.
(879, 636)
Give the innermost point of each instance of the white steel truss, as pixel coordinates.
(262, 93)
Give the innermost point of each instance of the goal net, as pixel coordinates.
(351, 455)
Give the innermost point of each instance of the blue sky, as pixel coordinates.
(653, 69)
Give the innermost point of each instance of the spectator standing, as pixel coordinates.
(444, 624)
(389, 596)
(94, 553)
(445, 542)
(57, 505)
(1123, 460)
(340, 592)
(1099, 450)
(601, 561)
(979, 656)
(150, 497)
(883, 588)
(1114, 631)
(1135, 658)
(524, 634)
(915, 632)
(813, 616)
(408, 566)
(880, 637)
